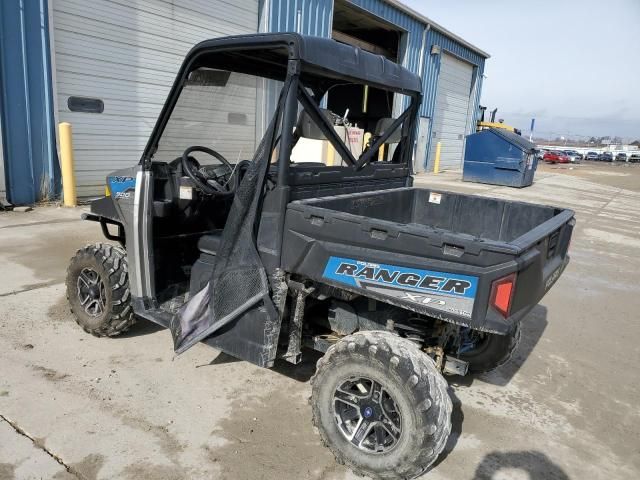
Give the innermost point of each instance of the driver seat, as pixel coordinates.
(209, 244)
(201, 272)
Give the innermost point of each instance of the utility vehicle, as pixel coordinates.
(273, 209)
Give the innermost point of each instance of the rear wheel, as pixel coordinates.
(487, 351)
(98, 290)
(381, 405)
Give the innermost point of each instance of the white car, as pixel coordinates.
(574, 156)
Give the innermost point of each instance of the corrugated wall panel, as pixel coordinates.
(452, 112)
(3, 188)
(127, 53)
(31, 172)
(309, 17)
(413, 27)
(432, 65)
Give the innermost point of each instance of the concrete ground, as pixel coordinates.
(77, 407)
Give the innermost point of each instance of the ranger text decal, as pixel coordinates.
(446, 292)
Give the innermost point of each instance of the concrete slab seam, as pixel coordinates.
(39, 445)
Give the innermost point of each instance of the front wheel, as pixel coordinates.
(98, 290)
(381, 405)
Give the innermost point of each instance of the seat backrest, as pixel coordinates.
(307, 128)
(383, 124)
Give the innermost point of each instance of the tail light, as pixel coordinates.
(502, 293)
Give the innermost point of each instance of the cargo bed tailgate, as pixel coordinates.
(382, 245)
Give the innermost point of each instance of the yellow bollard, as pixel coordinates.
(68, 175)
(331, 154)
(366, 138)
(381, 152)
(436, 162)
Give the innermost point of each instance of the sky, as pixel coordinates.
(574, 65)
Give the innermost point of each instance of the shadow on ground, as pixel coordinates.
(533, 326)
(301, 372)
(535, 464)
(141, 328)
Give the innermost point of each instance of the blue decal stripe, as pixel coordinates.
(121, 184)
(349, 272)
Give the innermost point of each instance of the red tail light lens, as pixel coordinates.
(502, 294)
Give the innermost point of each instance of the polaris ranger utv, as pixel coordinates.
(262, 219)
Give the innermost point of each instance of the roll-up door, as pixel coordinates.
(117, 59)
(452, 114)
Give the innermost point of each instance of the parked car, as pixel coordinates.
(606, 157)
(621, 157)
(556, 156)
(634, 158)
(592, 156)
(574, 156)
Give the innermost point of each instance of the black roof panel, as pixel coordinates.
(323, 56)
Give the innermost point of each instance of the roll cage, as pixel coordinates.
(313, 65)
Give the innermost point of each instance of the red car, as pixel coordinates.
(555, 156)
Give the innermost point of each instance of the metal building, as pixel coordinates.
(106, 66)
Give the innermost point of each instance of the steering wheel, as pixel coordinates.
(206, 185)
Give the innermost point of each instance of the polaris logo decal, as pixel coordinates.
(122, 187)
(441, 291)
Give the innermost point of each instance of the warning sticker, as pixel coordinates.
(435, 197)
(186, 193)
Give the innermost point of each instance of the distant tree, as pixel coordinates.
(636, 143)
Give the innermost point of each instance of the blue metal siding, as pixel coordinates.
(432, 66)
(26, 106)
(316, 17)
(411, 56)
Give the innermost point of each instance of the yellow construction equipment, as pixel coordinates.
(482, 125)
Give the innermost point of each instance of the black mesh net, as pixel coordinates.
(239, 281)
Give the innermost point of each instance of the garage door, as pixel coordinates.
(126, 54)
(451, 115)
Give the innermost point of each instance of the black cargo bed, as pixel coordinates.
(471, 217)
(474, 238)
